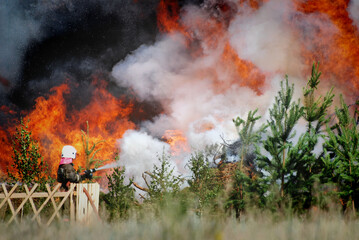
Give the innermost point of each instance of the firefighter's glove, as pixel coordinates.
(88, 174)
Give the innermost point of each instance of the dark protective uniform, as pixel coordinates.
(66, 173)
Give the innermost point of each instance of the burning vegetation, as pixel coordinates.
(55, 125)
(176, 92)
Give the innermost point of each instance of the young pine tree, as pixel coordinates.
(307, 164)
(246, 179)
(342, 156)
(28, 164)
(283, 117)
(90, 151)
(246, 191)
(161, 183)
(315, 110)
(247, 135)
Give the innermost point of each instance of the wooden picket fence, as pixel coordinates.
(83, 201)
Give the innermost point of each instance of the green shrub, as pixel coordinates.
(121, 196)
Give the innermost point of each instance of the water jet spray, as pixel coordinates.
(108, 166)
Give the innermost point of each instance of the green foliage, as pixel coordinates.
(316, 109)
(245, 182)
(121, 196)
(247, 135)
(283, 117)
(162, 181)
(203, 182)
(295, 165)
(90, 152)
(302, 176)
(342, 155)
(246, 192)
(306, 165)
(28, 164)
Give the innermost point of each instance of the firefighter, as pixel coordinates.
(66, 172)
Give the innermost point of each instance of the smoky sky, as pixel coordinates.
(45, 43)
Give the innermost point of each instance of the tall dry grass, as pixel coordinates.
(171, 224)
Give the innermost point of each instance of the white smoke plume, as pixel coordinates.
(140, 152)
(187, 85)
(167, 73)
(266, 39)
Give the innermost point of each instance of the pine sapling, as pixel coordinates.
(284, 115)
(342, 155)
(91, 151)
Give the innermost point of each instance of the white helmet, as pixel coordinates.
(68, 152)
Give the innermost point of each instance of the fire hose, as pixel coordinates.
(88, 173)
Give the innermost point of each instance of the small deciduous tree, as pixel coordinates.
(121, 195)
(203, 182)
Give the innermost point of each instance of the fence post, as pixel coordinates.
(85, 211)
(72, 207)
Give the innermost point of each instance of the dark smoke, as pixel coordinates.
(45, 43)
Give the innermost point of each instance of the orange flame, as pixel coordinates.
(245, 72)
(177, 141)
(339, 58)
(54, 125)
(168, 17)
(5, 150)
